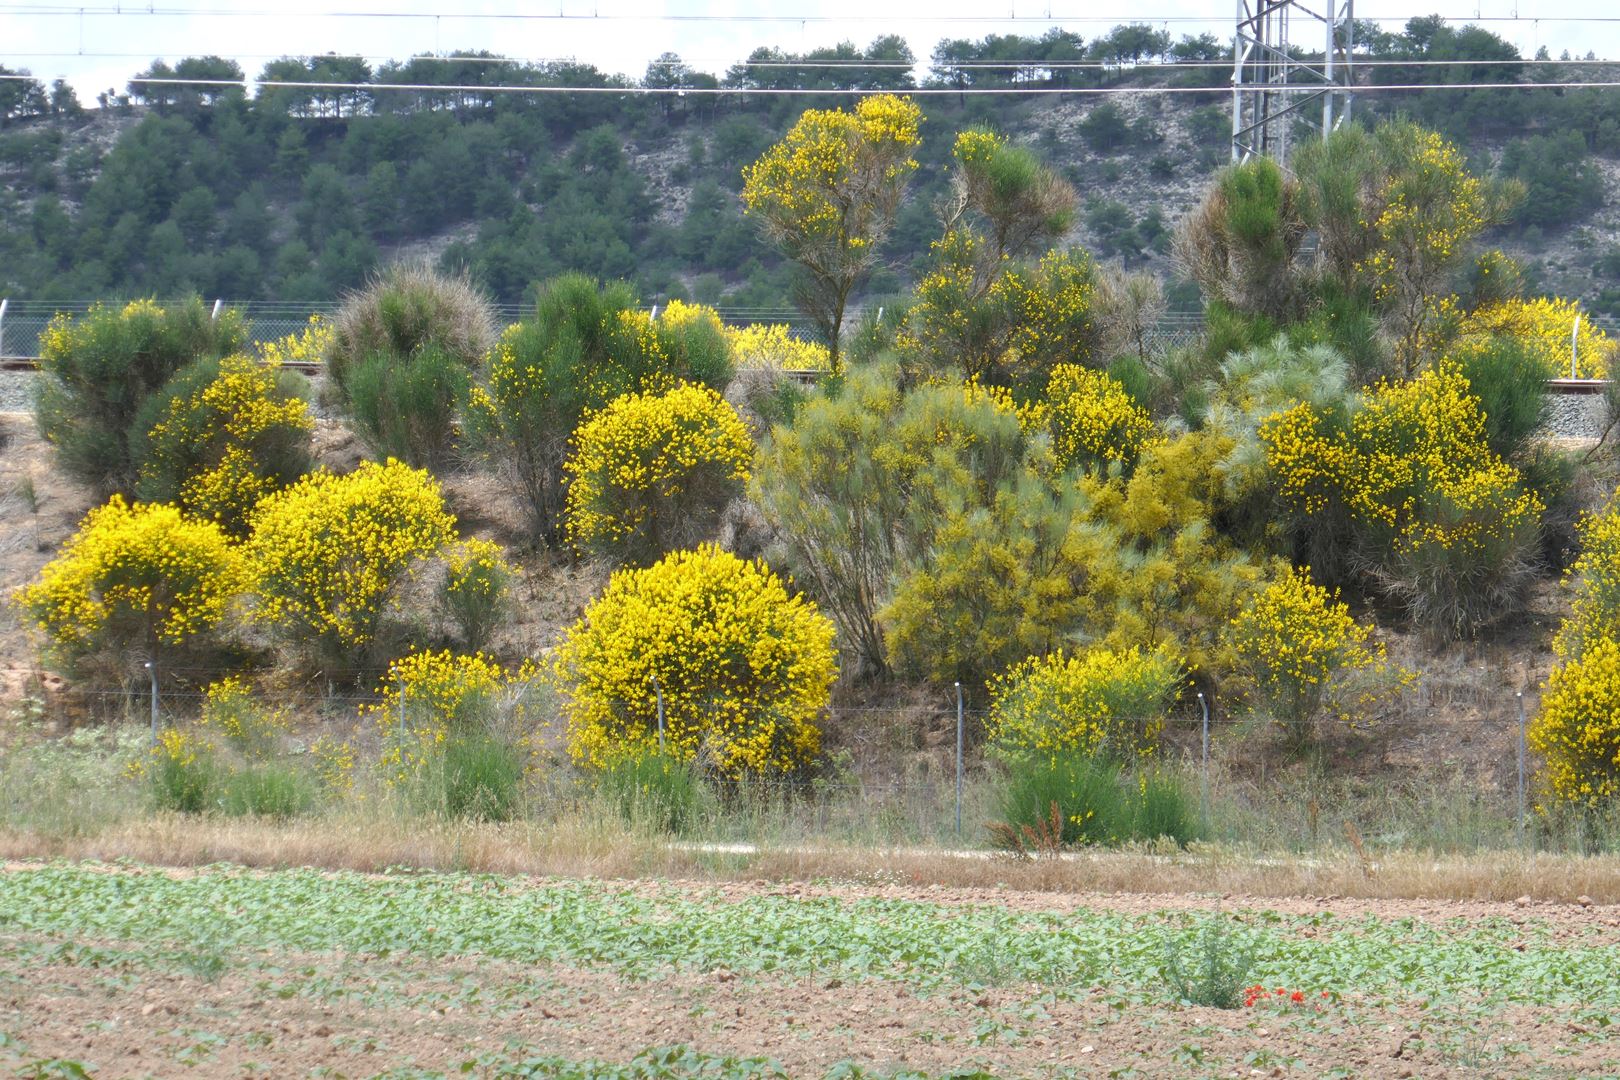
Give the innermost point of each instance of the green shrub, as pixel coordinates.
(1214, 972)
(405, 407)
(477, 591)
(864, 479)
(1097, 801)
(98, 372)
(267, 790)
(478, 777)
(653, 789)
(1087, 792)
(184, 772)
(407, 310)
(1162, 807)
(1509, 380)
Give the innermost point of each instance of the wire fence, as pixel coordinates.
(22, 322)
(1447, 766)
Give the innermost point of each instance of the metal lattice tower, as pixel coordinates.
(1270, 83)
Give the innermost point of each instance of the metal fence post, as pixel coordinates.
(1574, 347)
(1519, 697)
(152, 671)
(3, 303)
(658, 692)
(958, 761)
(1203, 763)
(213, 316)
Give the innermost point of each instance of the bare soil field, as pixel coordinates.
(766, 979)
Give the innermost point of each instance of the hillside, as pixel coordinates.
(297, 197)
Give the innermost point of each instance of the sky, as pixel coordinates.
(102, 43)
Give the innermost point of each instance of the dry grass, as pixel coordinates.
(581, 846)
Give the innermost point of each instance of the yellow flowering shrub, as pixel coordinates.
(1447, 526)
(775, 347)
(1546, 326)
(237, 715)
(329, 553)
(1595, 580)
(1092, 420)
(135, 577)
(1096, 702)
(332, 761)
(1427, 210)
(182, 771)
(1009, 323)
(99, 374)
(1158, 572)
(745, 670)
(477, 582)
(827, 195)
(234, 431)
(586, 344)
(1300, 649)
(1577, 729)
(430, 696)
(651, 472)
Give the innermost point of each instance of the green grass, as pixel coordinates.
(638, 933)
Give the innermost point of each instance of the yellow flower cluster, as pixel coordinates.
(1291, 639)
(777, 348)
(810, 177)
(999, 319)
(221, 442)
(678, 313)
(428, 697)
(1050, 304)
(308, 346)
(328, 552)
(975, 145)
(65, 335)
(648, 460)
(1595, 577)
(246, 723)
(1414, 464)
(1430, 209)
(333, 762)
(1545, 326)
(178, 749)
(1092, 420)
(744, 669)
(1101, 701)
(477, 572)
(1577, 730)
(134, 574)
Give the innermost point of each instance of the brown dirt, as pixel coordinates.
(360, 1015)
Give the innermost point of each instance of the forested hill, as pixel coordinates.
(295, 195)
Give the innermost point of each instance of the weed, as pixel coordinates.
(654, 789)
(1217, 971)
(270, 790)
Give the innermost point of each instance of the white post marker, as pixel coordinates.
(214, 316)
(1574, 344)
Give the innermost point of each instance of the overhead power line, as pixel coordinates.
(820, 91)
(857, 65)
(1046, 19)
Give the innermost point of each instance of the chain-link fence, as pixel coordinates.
(23, 321)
